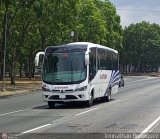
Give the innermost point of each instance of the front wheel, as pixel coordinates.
(90, 101)
(51, 104)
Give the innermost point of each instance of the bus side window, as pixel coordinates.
(103, 60)
(109, 61)
(106, 64)
(115, 61)
(92, 65)
(99, 58)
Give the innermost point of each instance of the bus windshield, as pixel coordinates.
(64, 67)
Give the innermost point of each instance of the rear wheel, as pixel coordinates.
(51, 104)
(108, 98)
(123, 85)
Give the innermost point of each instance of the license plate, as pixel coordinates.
(62, 96)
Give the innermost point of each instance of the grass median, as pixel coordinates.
(23, 85)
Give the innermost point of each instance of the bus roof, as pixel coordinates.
(93, 45)
(85, 45)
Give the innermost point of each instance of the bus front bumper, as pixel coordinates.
(65, 97)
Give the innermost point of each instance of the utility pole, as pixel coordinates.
(4, 52)
(72, 36)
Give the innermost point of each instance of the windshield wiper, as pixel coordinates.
(59, 80)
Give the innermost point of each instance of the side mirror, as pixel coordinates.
(39, 59)
(87, 59)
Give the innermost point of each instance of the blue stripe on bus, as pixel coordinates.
(114, 80)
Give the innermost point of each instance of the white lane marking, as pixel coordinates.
(34, 129)
(86, 111)
(14, 112)
(110, 103)
(145, 78)
(40, 127)
(138, 81)
(141, 93)
(97, 108)
(148, 128)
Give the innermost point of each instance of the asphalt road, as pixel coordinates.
(134, 111)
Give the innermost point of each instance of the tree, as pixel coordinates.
(113, 30)
(35, 24)
(141, 47)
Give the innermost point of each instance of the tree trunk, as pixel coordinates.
(129, 68)
(33, 71)
(29, 67)
(1, 72)
(13, 73)
(43, 39)
(13, 67)
(20, 71)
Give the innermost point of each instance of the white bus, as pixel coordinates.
(79, 71)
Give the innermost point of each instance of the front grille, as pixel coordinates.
(56, 91)
(61, 91)
(70, 97)
(54, 97)
(71, 90)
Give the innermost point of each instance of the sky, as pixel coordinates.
(135, 11)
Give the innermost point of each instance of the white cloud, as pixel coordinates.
(137, 11)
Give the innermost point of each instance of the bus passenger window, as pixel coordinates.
(92, 65)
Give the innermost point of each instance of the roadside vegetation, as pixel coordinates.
(141, 48)
(32, 25)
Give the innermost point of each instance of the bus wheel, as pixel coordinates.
(108, 98)
(90, 101)
(51, 104)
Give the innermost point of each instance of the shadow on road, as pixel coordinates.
(71, 105)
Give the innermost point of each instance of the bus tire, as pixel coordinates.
(89, 102)
(51, 104)
(108, 98)
(123, 85)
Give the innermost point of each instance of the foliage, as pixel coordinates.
(32, 25)
(141, 47)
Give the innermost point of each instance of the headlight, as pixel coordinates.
(46, 89)
(81, 89)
